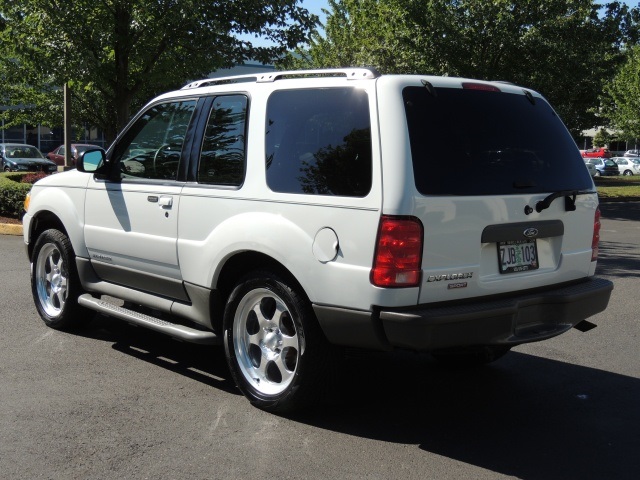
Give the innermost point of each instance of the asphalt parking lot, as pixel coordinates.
(113, 401)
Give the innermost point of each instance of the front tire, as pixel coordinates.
(55, 284)
(628, 173)
(276, 351)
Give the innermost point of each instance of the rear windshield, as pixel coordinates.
(469, 142)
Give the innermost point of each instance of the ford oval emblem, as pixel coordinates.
(531, 232)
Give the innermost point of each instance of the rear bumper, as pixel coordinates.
(511, 321)
(508, 321)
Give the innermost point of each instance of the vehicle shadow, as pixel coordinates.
(523, 416)
(202, 363)
(617, 259)
(621, 210)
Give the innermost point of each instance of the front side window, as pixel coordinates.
(318, 141)
(222, 158)
(152, 147)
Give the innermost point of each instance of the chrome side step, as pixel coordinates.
(177, 331)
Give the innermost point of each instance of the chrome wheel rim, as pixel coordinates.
(51, 280)
(266, 342)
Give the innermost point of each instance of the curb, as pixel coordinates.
(10, 229)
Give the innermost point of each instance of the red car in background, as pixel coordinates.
(596, 153)
(57, 155)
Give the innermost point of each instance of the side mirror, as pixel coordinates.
(90, 160)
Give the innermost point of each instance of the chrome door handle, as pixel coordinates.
(165, 201)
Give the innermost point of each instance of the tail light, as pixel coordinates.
(398, 257)
(596, 236)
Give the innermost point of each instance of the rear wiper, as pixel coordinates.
(569, 200)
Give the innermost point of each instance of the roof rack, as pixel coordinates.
(349, 73)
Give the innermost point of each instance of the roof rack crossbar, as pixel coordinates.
(348, 73)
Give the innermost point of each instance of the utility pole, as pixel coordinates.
(67, 128)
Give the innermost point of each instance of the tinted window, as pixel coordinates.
(22, 151)
(152, 147)
(319, 142)
(222, 159)
(466, 142)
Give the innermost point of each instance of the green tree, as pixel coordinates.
(601, 138)
(117, 54)
(623, 110)
(566, 49)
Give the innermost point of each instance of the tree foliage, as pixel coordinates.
(566, 49)
(117, 54)
(623, 109)
(602, 138)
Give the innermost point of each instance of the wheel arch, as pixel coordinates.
(42, 221)
(239, 265)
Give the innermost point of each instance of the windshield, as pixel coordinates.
(468, 142)
(23, 151)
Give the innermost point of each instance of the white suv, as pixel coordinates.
(287, 214)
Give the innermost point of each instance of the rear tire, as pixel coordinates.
(55, 284)
(470, 357)
(628, 173)
(276, 351)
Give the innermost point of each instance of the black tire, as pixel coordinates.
(597, 174)
(470, 357)
(55, 284)
(628, 173)
(277, 353)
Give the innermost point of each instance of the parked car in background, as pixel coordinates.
(17, 157)
(591, 167)
(57, 155)
(632, 153)
(627, 165)
(596, 153)
(604, 167)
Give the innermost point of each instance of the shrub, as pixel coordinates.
(33, 177)
(12, 195)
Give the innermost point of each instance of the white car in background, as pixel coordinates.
(592, 169)
(628, 165)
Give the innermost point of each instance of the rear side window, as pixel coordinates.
(318, 141)
(222, 158)
(468, 142)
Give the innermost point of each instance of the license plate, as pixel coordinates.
(517, 256)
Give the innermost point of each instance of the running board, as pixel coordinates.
(177, 331)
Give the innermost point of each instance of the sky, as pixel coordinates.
(316, 6)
